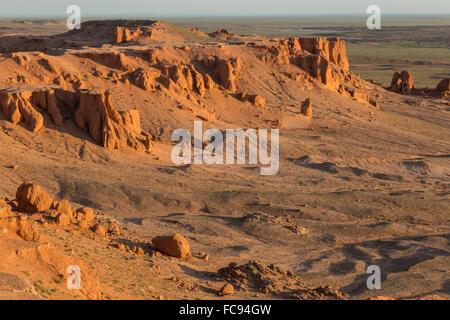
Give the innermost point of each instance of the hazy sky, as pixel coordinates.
(152, 8)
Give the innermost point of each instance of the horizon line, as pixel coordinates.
(314, 15)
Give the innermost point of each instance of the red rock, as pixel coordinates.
(443, 85)
(176, 245)
(33, 198)
(226, 290)
(402, 82)
(306, 109)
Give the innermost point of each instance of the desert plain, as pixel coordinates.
(87, 116)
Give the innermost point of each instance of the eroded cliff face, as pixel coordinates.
(77, 81)
(111, 129)
(93, 111)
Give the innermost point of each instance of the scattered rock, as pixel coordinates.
(226, 290)
(306, 109)
(175, 246)
(99, 229)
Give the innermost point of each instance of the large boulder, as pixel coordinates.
(175, 246)
(402, 82)
(33, 198)
(444, 85)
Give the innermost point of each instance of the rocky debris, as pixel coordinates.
(254, 99)
(319, 293)
(155, 254)
(227, 289)
(204, 256)
(129, 248)
(257, 277)
(284, 221)
(444, 85)
(364, 98)
(99, 229)
(106, 125)
(402, 82)
(33, 198)
(24, 247)
(306, 108)
(84, 217)
(105, 228)
(175, 246)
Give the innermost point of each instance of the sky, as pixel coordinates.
(179, 8)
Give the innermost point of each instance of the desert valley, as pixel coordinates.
(87, 117)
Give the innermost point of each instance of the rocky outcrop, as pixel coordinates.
(285, 51)
(333, 49)
(402, 82)
(182, 77)
(321, 69)
(16, 106)
(175, 246)
(306, 108)
(144, 79)
(93, 111)
(22, 103)
(126, 34)
(225, 71)
(108, 127)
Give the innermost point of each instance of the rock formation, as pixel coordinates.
(402, 82)
(113, 130)
(125, 34)
(306, 109)
(93, 111)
